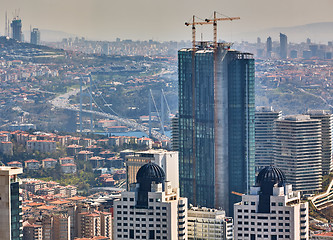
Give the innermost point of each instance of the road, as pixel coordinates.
(62, 102)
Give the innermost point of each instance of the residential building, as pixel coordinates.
(209, 224)
(10, 204)
(43, 146)
(151, 210)
(298, 151)
(272, 210)
(6, 148)
(265, 118)
(167, 160)
(31, 164)
(68, 168)
(283, 46)
(35, 36)
(61, 227)
(49, 163)
(216, 125)
(326, 119)
(32, 231)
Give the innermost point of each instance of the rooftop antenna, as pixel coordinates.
(6, 30)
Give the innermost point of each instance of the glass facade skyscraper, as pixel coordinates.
(216, 125)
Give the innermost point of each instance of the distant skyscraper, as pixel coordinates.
(16, 29)
(265, 118)
(35, 36)
(283, 46)
(11, 218)
(216, 125)
(272, 210)
(293, 53)
(269, 46)
(326, 119)
(298, 151)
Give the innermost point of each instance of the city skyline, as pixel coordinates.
(144, 20)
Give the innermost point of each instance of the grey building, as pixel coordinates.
(17, 29)
(216, 125)
(283, 46)
(265, 120)
(35, 36)
(298, 151)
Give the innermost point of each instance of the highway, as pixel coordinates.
(62, 102)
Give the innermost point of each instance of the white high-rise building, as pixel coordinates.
(326, 119)
(167, 160)
(298, 151)
(265, 118)
(271, 210)
(209, 224)
(153, 210)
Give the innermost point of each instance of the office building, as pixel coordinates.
(16, 26)
(167, 160)
(35, 36)
(10, 204)
(265, 118)
(208, 224)
(153, 210)
(269, 47)
(272, 210)
(298, 151)
(283, 46)
(216, 125)
(326, 119)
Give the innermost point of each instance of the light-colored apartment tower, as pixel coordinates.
(89, 225)
(208, 224)
(167, 160)
(153, 210)
(298, 151)
(326, 119)
(10, 204)
(265, 118)
(272, 210)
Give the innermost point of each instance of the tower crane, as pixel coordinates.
(208, 21)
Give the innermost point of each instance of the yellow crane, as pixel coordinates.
(208, 21)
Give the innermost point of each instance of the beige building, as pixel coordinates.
(61, 227)
(43, 146)
(32, 231)
(10, 205)
(151, 210)
(167, 160)
(271, 210)
(209, 224)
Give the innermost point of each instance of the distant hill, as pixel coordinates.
(317, 32)
(50, 35)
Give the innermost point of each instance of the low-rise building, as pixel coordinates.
(43, 146)
(68, 168)
(31, 164)
(49, 163)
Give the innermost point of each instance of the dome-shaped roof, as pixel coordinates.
(150, 172)
(271, 175)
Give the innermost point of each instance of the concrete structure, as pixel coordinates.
(167, 160)
(35, 36)
(283, 46)
(6, 148)
(43, 146)
(216, 125)
(323, 200)
(326, 119)
(151, 211)
(10, 204)
(271, 210)
(209, 224)
(15, 164)
(265, 118)
(298, 151)
(61, 227)
(32, 231)
(91, 224)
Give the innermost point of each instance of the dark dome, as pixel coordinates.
(271, 175)
(150, 172)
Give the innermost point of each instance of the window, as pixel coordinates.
(273, 204)
(151, 200)
(151, 234)
(132, 200)
(253, 203)
(280, 212)
(125, 199)
(280, 204)
(131, 234)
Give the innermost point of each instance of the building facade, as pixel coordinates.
(298, 151)
(283, 46)
(216, 125)
(10, 204)
(35, 36)
(265, 118)
(152, 211)
(326, 119)
(271, 210)
(16, 26)
(209, 224)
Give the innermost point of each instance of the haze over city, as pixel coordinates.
(164, 20)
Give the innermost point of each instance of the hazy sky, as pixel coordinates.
(161, 20)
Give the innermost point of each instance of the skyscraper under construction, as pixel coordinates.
(216, 124)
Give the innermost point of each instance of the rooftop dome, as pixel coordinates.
(150, 172)
(270, 175)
